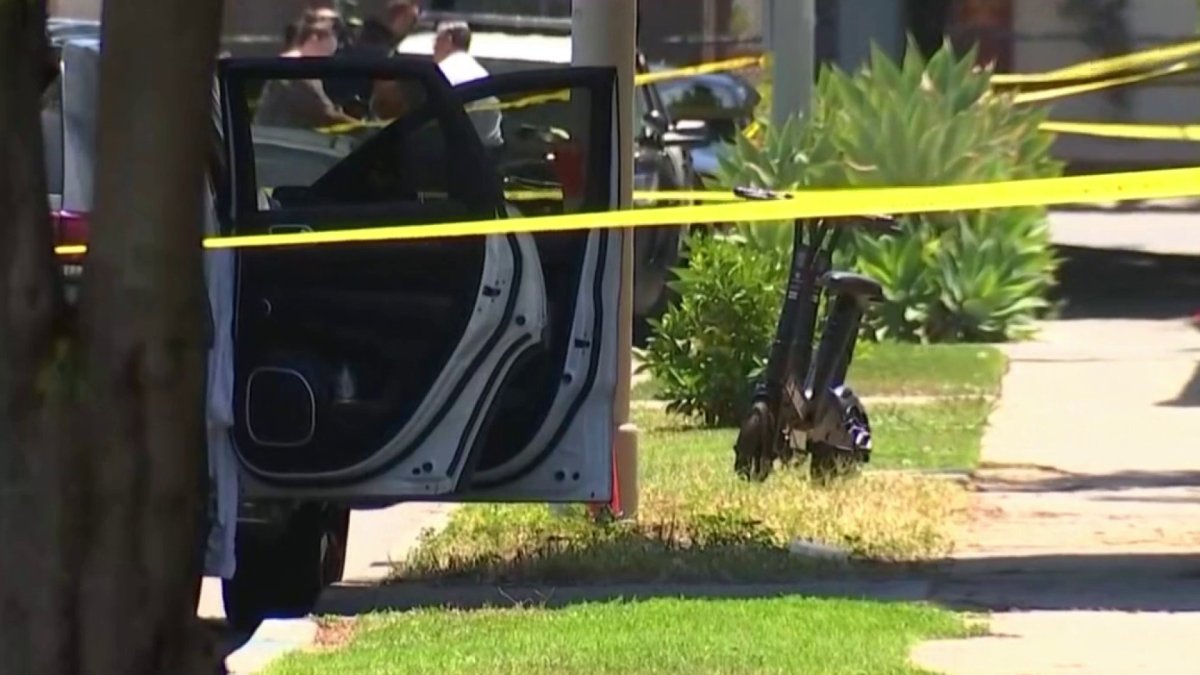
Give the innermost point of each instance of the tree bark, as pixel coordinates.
(102, 428)
(35, 406)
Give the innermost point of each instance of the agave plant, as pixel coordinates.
(979, 275)
(796, 155)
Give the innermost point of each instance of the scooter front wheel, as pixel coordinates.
(754, 449)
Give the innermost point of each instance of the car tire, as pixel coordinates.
(282, 571)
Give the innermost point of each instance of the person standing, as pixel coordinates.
(291, 33)
(382, 36)
(451, 53)
(302, 103)
(376, 38)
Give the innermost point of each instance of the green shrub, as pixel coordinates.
(977, 275)
(708, 349)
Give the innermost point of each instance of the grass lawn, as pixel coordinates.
(940, 435)
(698, 522)
(786, 635)
(892, 369)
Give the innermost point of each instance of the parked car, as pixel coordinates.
(662, 157)
(723, 102)
(480, 368)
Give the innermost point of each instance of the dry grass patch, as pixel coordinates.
(697, 522)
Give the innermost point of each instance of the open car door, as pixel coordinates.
(458, 368)
(553, 437)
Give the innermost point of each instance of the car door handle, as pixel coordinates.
(289, 229)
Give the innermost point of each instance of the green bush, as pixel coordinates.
(708, 349)
(707, 352)
(978, 275)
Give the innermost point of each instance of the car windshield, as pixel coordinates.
(704, 97)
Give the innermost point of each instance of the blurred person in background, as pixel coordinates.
(382, 35)
(291, 33)
(451, 51)
(376, 38)
(302, 103)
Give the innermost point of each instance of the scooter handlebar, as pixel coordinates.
(759, 194)
(881, 224)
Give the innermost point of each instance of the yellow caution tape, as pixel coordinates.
(638, 195)
(1088, 87)
(642, 79)
(1082, 71)
(1147, 132)
(1158, 184)
(1104, 67)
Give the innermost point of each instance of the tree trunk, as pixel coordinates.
(102, 429)
(36, 580)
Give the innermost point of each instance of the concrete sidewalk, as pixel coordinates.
(1088, 500)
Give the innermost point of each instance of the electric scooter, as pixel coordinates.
(802, 407)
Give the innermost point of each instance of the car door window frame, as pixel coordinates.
(602, 172)
(482, 194)
(592, 78)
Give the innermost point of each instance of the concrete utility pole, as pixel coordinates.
(790, 28)
(604, 33)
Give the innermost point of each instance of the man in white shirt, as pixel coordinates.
(450, 53)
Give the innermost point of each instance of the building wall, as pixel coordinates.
(1168, 101)
(1040, 38)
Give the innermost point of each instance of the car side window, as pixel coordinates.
(309, 153)
(543, 159)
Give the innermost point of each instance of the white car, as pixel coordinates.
(480, 368)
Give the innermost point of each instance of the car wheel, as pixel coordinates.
(282, 571)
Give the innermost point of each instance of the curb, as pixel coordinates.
(347, 600)
(273, 639)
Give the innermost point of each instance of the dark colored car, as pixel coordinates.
(724, 103)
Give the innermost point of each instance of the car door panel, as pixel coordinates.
(507, 311)
(427, 412)
(568, 458)
(556, 440)
(356, 360)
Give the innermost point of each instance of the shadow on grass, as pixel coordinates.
(1133, 582)
(1065, 482)
(567, 572)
